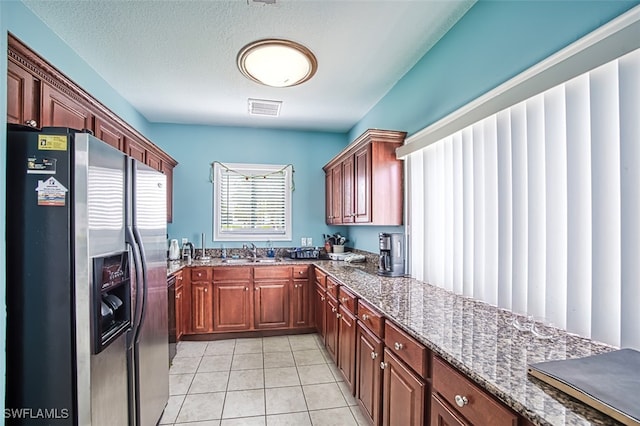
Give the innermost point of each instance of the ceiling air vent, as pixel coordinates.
(264, 107)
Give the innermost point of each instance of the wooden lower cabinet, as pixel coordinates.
(301, 306)
(346, 354)
(232, 306)
(271, 304)
(331, 327)
(403, 393)
(442, 415)
(368, 373)
(179, 312)
(201, 307)
(320, 309)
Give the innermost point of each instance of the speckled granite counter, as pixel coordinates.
(478, 339)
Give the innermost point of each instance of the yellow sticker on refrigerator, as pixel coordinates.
(51, 192)
(52, 142)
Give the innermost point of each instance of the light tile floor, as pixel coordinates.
(273, 381)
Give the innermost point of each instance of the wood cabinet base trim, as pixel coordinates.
(243, 334)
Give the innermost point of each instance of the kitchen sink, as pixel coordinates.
(250, 260)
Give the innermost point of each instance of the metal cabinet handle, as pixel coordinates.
(344, 299)
(206, 289)
(461, 400)
(338, 316)
(374, 355)
(300, 272)
(365, 317)
(178, 296)
(31, 123)
(383, 365)
(246, 289)
(398, 346)
(322, 298)
(334, 310)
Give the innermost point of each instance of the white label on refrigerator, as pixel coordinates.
(51, 192)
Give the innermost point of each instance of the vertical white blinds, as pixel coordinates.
(537, 208)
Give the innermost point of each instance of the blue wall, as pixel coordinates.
(196, 147)
(491, 43)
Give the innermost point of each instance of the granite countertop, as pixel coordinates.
(481, 340)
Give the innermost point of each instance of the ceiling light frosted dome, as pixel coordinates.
(277, 63)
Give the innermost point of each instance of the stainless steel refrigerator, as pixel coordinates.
(86, 297)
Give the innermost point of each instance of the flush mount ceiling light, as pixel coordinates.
(277, 63)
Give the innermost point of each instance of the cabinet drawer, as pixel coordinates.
(347, 299)
(300, 272)
(371, 319)
(230, 273)
(200, 274)
(321, 278)
(470, 401)
(272, 272)
(332, 287)
(407, 348)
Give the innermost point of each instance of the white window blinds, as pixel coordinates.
(252, 202)
(537, 208)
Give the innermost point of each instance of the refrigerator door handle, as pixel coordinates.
(145, 286)
(138, 270)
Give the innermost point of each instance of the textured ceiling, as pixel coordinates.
(175, 61)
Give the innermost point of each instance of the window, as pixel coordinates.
(252, 202)
(535, 208)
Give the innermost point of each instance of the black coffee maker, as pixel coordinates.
(391, 263)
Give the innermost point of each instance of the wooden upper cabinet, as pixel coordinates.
(135, 149)
(348, 200)
(334, 194)
(362, 185)
(107, 132)
(39, 95)
(23, 96)
(60, 109)
(370, 188)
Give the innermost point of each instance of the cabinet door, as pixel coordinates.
(348, 201)
(179, 313)
(331, 327)
(58, 109)
(23, 96)
(301, 304)
(362, 186)
(108, 133)
(271, 304)
(347, 346)
(441, 415)
(167, 169)
(328, 197)
(153, 160)
(368, 373)
(320, 307)
(201, 312)
(403, 393)
(232, 306)
(336, 194)
(135, 149)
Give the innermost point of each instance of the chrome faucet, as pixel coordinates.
(253, 250)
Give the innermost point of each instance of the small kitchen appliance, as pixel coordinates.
(188, 252)
(174, 250)
(391, 263)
